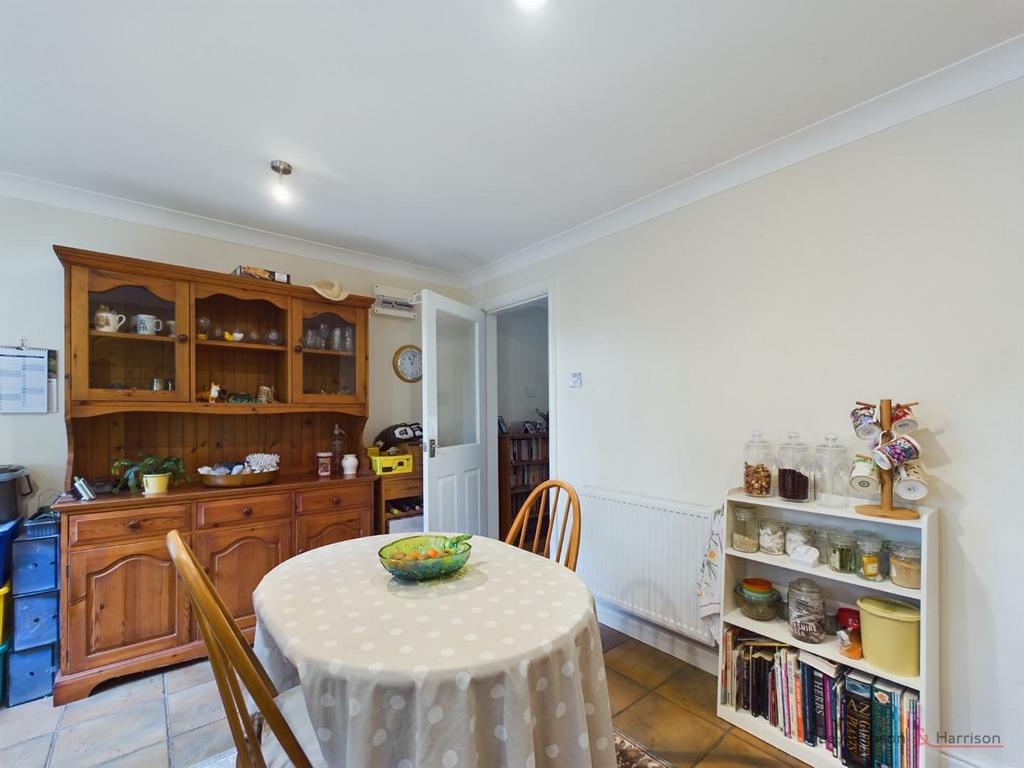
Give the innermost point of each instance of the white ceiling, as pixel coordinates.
(443, 133)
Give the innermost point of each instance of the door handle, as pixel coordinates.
(432, 448)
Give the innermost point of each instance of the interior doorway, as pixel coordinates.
(520, 401)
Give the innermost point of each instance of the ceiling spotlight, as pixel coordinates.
(531, 5)
(280, 192)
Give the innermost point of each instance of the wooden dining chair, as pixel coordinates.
(547, 517)
(281, 733)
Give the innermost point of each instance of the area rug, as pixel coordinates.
(629, 754)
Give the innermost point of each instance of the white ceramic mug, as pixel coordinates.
(903, 420)
(864, 476)
(148, 325)
(865, 423)
(911, 482)
(108, 322)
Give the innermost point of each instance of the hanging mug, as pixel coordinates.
(896, 452)
(108, 322)
(148, 325)
(910, 482)
(864, 476)
(903, 419)
(864, 423)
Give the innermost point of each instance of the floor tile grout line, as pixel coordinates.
(167, 716)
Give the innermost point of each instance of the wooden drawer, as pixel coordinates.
(339, 497)
(143, 523)
(401, 487)
(212, 514)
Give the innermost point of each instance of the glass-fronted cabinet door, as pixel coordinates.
(129, 337)
(329, 345)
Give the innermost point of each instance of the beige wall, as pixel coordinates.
(32, 306)
(522, 354)
(890, 267)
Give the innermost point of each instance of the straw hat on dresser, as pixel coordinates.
(330, 289)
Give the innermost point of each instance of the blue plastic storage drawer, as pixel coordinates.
(34, 564)
(30, 674)
(7, 531)
(35, 620)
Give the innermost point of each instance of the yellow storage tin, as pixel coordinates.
(891, 633)
(383, 464)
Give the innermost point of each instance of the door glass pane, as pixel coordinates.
(328, 355)
(131, 340)
(457, 366)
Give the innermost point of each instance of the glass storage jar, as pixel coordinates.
(798, 535)
(796, 469)
(806, 611)
(757, 466)
(905, 565)
(771, 536)
(842, 551)
(821, 535)
(833, 477)
(744, 529)
(869, 556)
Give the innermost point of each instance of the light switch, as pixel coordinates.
(575, 380)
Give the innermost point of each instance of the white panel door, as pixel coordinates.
(454, 459)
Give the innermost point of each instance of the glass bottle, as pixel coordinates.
(337, 449)
(796, 469)
(833, 477)
(349, 344)
(744, 529)
(757, 466)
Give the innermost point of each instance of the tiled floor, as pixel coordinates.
(175, 719)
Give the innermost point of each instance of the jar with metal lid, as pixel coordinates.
(796, 469)
(833, 477)
(842, 551)
(798, 535)
(771, 536)
(806, 611)
(744, 529)
(905, 565)
(869, 556)
(757, 466)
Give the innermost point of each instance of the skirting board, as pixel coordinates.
(699, 655)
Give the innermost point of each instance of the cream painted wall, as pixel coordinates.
(522, 363)
(890, 267)
(32, 306)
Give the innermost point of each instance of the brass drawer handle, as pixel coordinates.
(247, 511)
(133, 525)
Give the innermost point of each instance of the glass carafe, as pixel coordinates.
(796, 469)
(833, 477)
(757, 466)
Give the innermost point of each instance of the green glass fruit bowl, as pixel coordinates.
(430, 556)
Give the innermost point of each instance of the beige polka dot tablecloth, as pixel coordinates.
(498, 666)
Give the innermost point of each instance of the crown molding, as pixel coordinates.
(96, 203)
(961, 80)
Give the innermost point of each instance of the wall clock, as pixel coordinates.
(408, 363)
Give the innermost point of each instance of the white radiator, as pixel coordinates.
(641, 555)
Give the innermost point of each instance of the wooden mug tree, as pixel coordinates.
(885, 508)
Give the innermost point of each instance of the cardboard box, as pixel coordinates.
(244, 270)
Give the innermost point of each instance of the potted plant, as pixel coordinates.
(158, 473)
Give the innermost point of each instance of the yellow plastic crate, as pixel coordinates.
(383, 464)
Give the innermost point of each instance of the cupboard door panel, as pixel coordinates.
(237, 558)
(312, 531)
(124, 601)
(329, 344)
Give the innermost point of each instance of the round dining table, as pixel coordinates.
(497, 665)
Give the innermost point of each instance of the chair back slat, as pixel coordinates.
(546, 518)
(232, 660)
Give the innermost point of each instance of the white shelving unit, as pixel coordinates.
(842, 589)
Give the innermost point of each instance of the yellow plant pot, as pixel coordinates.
(156, 483)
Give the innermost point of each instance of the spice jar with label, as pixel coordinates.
(757, 466)
(772, 536)
(798, 535)
(869, 556)
(842, 551)
(905, 565)
(744, 529)
(806, 611)
(323, 463)
(796, 469)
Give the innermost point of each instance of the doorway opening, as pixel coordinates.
(521, 395)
